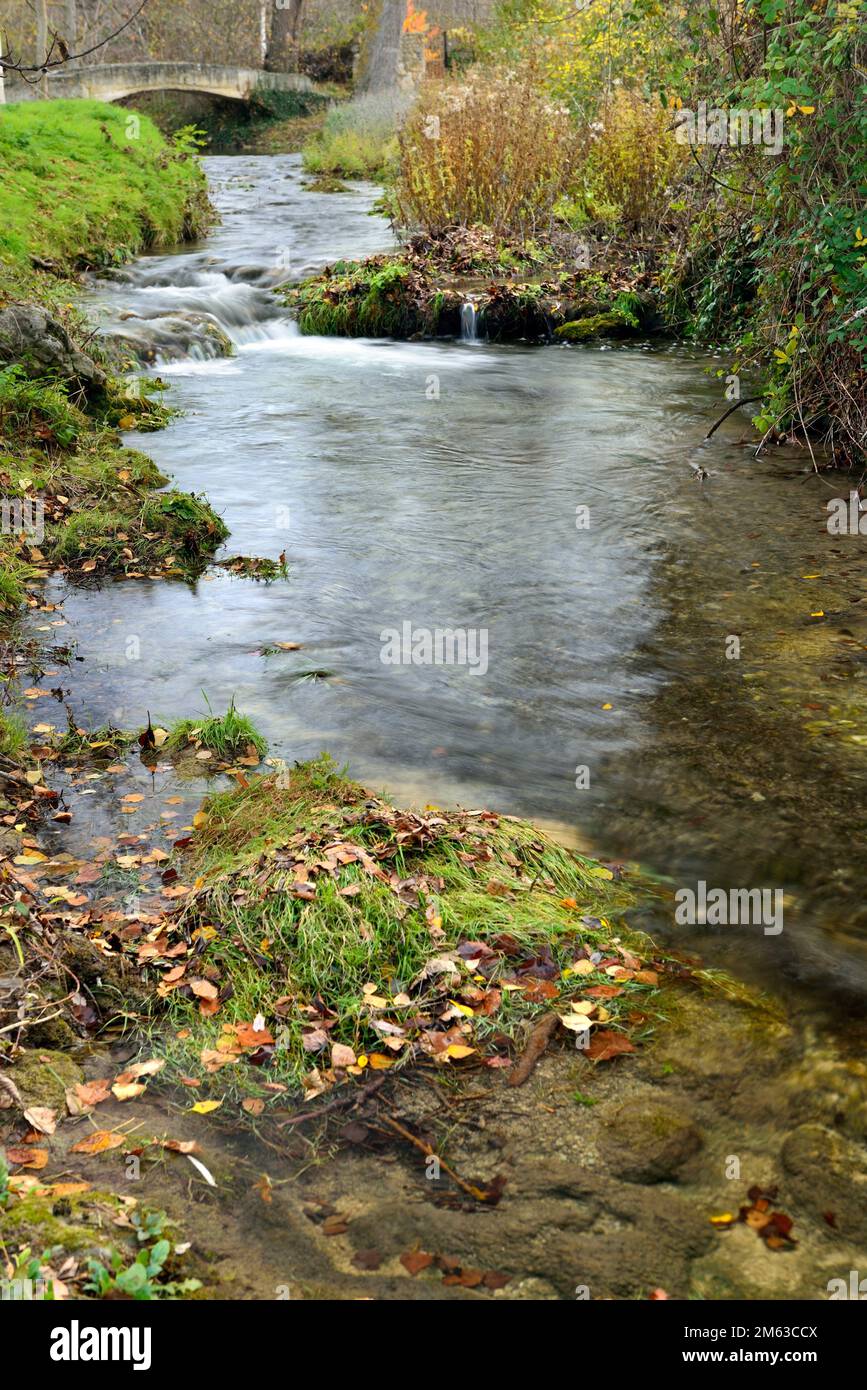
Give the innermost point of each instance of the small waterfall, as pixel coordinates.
(469, 322)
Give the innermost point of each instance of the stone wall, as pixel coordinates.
(405, 43)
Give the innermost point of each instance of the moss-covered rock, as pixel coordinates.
(43, 1077)
(606, 325)
(825, 1173)
(649, 1141)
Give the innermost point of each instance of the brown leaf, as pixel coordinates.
(606, 1044)
(98, 1142)
(28, 1158)
(248, 1036)
(367, 1259)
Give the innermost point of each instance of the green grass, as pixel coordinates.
(15, 575)
(85, 183)
(13, 735)
(358, 138)
(294, 958)
(102, 506)
(226, 735)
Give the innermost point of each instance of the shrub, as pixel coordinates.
(631, 164)
(490, 149)
(359, 138)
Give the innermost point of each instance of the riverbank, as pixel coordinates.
(86, 186)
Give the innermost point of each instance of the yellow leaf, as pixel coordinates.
(200, 820)
(204, 1107)
(378, 1061)
(459, 1050)
(807, 110)
(462, 1009)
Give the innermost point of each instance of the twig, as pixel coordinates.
(538, 1042)
(479, 1193)
(337, 1104)
(750, 400)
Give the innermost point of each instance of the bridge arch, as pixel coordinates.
(114, 81)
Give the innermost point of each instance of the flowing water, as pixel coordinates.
(552, 502)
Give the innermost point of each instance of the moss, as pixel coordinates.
(608, 325)
(31, 1221)
(43, 1077)
(375, 298)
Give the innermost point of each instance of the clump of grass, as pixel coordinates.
(359, 137)
(37, 410)
(105, 742)
(381, 297)
(171, 532)
(226, 735)
(364, 939)
(15, 575)
(13, 735)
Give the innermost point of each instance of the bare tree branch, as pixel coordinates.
(58, 46)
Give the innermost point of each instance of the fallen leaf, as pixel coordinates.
(98, 1142)
(416, 1260)
(28, 1158)
(42, 1118)
(128, 1091)
(606, 1044)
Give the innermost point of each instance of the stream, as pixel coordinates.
(440, 484)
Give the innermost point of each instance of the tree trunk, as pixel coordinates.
(282, 55)
(71, 25)
(42, 40)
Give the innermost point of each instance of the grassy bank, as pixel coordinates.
(358, 138)
(87, 185)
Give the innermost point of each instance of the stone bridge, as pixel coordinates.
(112, 81)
